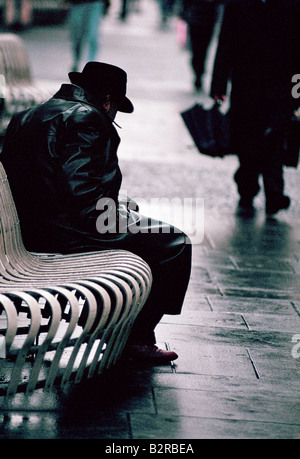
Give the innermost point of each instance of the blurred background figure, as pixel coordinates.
(200, 16)
(124, 10)
(18, 14)
(166, 11)
(85, 18)
(127, 7)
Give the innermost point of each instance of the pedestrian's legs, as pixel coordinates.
(272, 167)
(84, 20)
(166, 8)
(77, 24)
(247, 176)
(124, 10)
(200, 37)
(265, 160)
(95, 15)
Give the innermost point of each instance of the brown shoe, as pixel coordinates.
(149, 354)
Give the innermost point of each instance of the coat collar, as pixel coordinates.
(78, 94)
(75, 93)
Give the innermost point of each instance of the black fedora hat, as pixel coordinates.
(101, 79)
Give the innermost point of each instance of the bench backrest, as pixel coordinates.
(14, 62)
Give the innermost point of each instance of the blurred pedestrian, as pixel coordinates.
(68, 148)
(17, 14)
(166, 11)
(85, 18)
(127, 7)
(124, 10)
(259, 53)
(200, 15)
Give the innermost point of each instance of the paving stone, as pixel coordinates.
(188, 427)
(213, 360)
(228, 336)
(231, 384)
(204, 318)
(253, 305)
(227, 406)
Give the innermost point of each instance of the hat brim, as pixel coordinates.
(125, 105)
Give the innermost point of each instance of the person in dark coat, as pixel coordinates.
(200, 15)
(62, 166)
(258, 52)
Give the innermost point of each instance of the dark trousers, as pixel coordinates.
(265, 159)
(171, 272)
(124, 9)
(200, 37)
(168, 251)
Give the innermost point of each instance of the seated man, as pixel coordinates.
(62, 165)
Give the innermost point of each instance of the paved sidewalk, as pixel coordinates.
(238, 372)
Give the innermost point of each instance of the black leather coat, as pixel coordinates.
(61, 158)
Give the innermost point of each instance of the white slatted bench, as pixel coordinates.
(62, 317)
(18, 90)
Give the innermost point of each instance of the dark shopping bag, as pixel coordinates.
(209, 129)
(292, 141)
